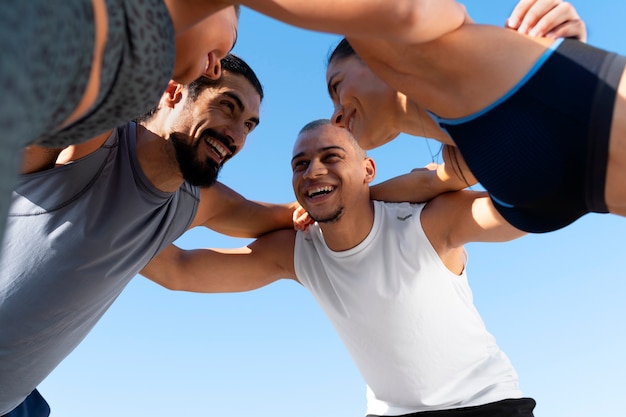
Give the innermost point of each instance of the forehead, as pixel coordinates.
(238, 85)
(342, 65)
(226, 16)
(218, 27)
(231, 22)
(320, 138)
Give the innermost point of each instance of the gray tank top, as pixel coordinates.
(75, 237)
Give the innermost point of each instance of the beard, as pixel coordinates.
(332, 217)
(195, 171)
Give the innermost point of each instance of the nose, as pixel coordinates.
(337, 118)
(214, 66)
(237, 135)
(314, 169)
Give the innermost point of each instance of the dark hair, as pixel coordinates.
(342, 50)
(230, 63)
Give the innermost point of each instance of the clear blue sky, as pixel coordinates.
(554, 302)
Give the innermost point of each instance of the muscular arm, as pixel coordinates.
(227, 212)
(424, 184)
(404, 21)
(264, 261)
(454, 219)
(414, 21)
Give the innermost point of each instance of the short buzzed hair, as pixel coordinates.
(326, 122)
(314, 125)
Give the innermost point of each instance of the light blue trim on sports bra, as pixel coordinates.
(502, 203)
(544, 57)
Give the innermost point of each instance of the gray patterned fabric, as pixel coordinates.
(47, 49)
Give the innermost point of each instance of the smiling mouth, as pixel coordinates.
(218, 148)
(320, 191)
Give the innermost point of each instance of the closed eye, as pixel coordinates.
(332, 86)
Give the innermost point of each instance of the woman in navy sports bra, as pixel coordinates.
(540, 122)
(505, 99)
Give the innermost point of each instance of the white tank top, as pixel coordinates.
(409, 323)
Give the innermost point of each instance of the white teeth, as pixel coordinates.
(320, 190)
(218, 146)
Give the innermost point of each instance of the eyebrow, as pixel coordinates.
(324, 149)
(240, 105)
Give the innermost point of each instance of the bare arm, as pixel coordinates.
(404, 21)
(228, 212)
(454, 219)
(38, 158)
(424, 184)
(264, 261)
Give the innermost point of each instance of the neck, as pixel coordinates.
(417, 122)
(157, 159)
(349, 230)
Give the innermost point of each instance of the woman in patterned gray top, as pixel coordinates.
(74, 69)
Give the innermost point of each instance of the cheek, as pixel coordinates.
(364, 97)
(189, 63)
(294, 186)
(217, 38)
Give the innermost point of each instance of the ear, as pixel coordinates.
(173, 94)
(370, 169)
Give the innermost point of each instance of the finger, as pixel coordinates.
(573, 29)
(518, 13)
(556, 18)
(542, 16)
(547, 23)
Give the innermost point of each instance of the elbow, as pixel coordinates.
(408, 18)
(424, 21)
(165, 282)
(171, 285)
